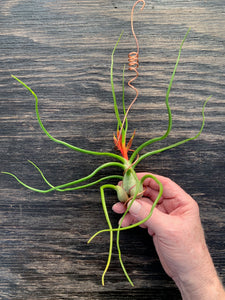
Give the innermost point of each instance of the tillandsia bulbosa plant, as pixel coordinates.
(131, 187)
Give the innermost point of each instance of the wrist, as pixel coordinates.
(203, 289)
(201, 283)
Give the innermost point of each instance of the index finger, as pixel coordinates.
(170, 188)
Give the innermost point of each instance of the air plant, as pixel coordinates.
(131, 187)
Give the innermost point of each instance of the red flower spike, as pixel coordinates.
(121, 146)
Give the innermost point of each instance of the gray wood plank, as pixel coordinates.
(62, 50)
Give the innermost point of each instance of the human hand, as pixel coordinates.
(178, 237)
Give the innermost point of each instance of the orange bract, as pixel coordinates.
(121, 145)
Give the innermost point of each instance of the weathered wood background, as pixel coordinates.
(62, 50)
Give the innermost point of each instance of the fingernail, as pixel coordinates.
(135, 208)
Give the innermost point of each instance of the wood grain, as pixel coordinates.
(62, 50)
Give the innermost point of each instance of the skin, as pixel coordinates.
(178, 236)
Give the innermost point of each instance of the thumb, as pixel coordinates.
(158, 221)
